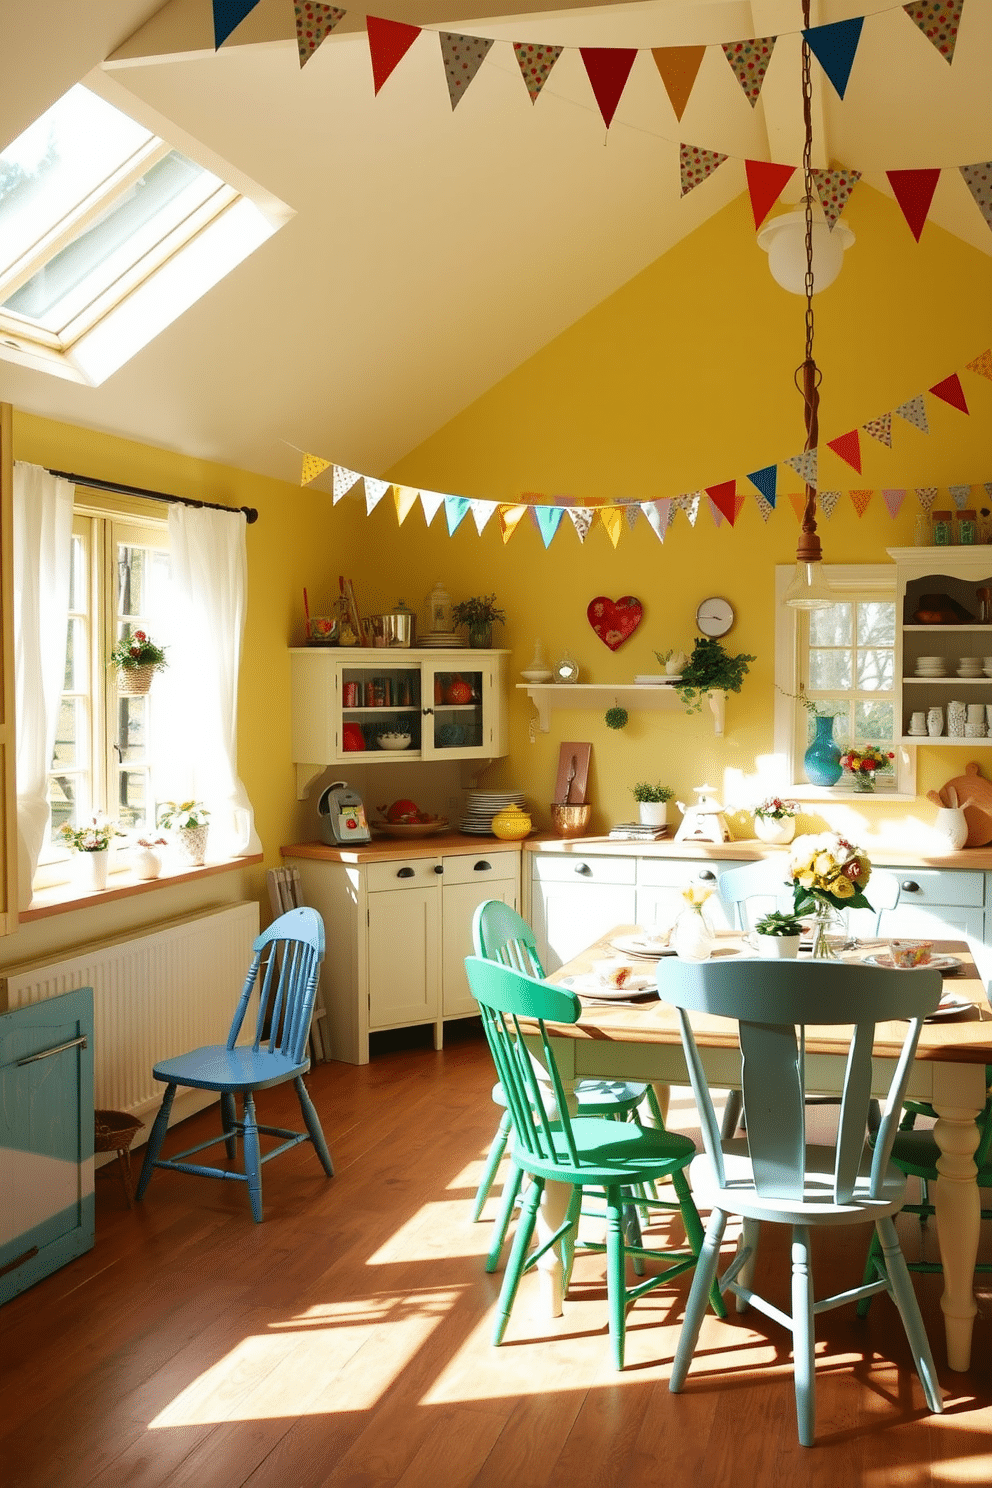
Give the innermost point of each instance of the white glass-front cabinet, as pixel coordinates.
(380, 703)
(945, 595)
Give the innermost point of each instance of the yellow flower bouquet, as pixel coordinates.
(827, 869)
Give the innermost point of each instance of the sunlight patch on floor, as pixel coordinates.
(430, 1235)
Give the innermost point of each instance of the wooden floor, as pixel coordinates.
(345, 1341)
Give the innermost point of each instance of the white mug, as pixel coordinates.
(918, 723)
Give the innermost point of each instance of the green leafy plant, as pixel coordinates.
(136, 649)
(644, 791)
(95, 836)
(482, 610)
(617, 718)
(177, 815)
(778, 923)
(710, 669)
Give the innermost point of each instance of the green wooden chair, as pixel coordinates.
(579, 1150)
(772, 1176)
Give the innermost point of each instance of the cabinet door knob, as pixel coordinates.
(909, 887)
(482, 866)
(583, 868)
(427, 711)
(707, 874)
(438, 867)
(404, 873)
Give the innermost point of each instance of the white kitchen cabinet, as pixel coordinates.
(398, 930)
(956, 573)
(451, 705)
(576, 899)
(661, 883)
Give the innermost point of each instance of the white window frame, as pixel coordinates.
(851, 582)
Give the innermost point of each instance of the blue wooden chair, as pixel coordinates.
(284, 969)
(614, 1156)
(772, 1175)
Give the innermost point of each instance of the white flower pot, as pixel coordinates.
(692, 937)
(192, 845)
(780, 946)
(93, 868)
(653, 813)
(775, 829)
(147, 863)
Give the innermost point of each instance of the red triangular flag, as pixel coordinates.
(848, 446)
(608, 69)
(389, 42)
(913, 190)
(765, 182)
(951, 391)
(724, 498)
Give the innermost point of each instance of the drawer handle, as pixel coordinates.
(909, 887)
(438, 867)
(483, 867)
(76, 1043)
(404, 873)
(583, 868)
(706, 873)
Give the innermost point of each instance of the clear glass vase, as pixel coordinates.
(693, 937)
(827, 927)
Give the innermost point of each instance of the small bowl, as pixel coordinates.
(614, 973)
(570, 821)
(907, 954)
(393, 741)
(321, 626)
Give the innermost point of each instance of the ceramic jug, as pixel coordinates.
(950, 824)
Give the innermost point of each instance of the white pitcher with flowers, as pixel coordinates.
(92, 843)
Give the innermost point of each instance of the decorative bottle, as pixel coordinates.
(822, 759)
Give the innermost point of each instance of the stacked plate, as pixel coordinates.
(931, 666)
(969, 666)
(482, 806)
(655, 679)
(442, 640)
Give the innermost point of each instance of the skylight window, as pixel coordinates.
(107, 234)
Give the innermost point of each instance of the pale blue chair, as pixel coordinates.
(283, 971)
(773, 1176)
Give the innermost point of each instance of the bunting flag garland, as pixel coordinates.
(960, 495)
(389, 42)
(834, 188)
(939, 21)
(749, 62)
(951, 391)
(894, 500)
(982, 365)
(848, 446)
(313, 466)
(462, 57)
(978, 179)
(431, 501)
(688, 502)
(314, 22)
(405, 499)
(926, 495)
(344, 479)
(834, 47)
(612, 519)
(481, 513)
(548, 521)
(880, 428)
(695, 164)
(608, 69)
(535, 63)
(913, 190)
(510, 518)
(724, 499)
(764, 507)
(827, 503)
(678, 67)
(659, 516)
(765, 183)
(582, 519)
(798, 503)
(765, 480)
(632, 511)
(456, 509)
(228, 15)
(805, 466)
(860, 500)
(374, 492)
(914, 412)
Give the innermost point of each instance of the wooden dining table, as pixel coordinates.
(640, 1040)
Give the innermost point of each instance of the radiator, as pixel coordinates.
(170, 988)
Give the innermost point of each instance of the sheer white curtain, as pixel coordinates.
(42, 557)
(209, 567)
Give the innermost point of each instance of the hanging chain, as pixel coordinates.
(809, 543)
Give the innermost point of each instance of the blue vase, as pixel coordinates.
(822, 759)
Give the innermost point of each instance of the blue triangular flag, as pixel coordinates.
(834, 47)
(765, 480)
(227, 15)
(548, 520)
(455, 509)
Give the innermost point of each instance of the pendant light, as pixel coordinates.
(809, 589)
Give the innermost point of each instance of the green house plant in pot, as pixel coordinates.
(92, 842)
(711, 672)
(480, 615)
(137, 658)
(652, 802)
(777, 934)
(189, 821)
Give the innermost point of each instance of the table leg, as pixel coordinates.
(550, 1268)
(957, 1204)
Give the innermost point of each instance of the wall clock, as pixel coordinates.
(714, 617)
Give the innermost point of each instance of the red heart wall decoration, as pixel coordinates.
(615, 620)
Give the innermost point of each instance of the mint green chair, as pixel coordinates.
(772, 1176)
(583, 1151)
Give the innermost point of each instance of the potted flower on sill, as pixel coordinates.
(480, 615)
(147, 859)
(652, 802)
(711, 671)
(188, 820)
(137, 659)
(778, 934)
(92, 842)
(775, 819)
(863, 763)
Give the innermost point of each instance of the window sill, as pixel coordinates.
(807, 792)
(122, 885)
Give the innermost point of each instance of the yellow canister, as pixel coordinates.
(511, 824)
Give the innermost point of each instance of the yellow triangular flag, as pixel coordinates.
(510, 518)
(612, 519)
(982, 365)
(313, 466)
(406, 499)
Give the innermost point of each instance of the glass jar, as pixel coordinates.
(923, 537)
(943, 529)
(967, 528)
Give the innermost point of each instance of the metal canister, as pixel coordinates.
(350, 695)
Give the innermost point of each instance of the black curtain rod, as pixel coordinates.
(251, 514)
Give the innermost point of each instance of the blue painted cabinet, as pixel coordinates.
(46, 1138)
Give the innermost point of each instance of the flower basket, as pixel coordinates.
(134, 681)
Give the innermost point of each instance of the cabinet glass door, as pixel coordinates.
(454, 718)
(381, 707)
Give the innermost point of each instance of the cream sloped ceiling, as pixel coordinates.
(432, 252)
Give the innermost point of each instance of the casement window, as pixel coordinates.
(841, 661)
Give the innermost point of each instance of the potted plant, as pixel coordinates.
(863, 762)
(775, 819)
(652, 802)
(778, 934)
(710, 669)
(188, 820)
(479, 614)
(137, 659)
(92, 842)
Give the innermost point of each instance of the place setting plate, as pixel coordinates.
(951, 1005)
(641, 945)
(947, 965)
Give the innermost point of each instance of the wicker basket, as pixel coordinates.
(114, 1131)
(134, 681)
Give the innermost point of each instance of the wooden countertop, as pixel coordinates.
(746, 849)
(407, 847)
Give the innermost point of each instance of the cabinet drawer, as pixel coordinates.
(402, 873)
(584, 870)
(669, 873)
(462, 868)
(930, 886)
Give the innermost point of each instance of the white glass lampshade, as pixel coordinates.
(784, 240)
(809, 589)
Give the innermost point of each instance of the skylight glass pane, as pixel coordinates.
(57, 162)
